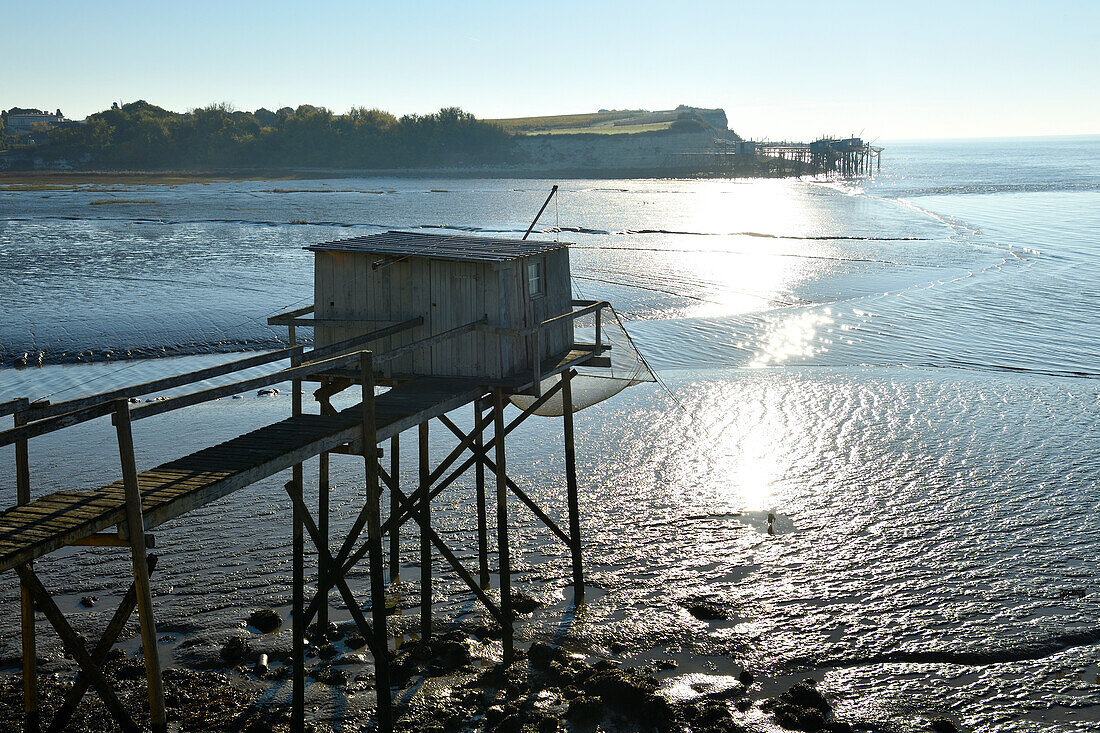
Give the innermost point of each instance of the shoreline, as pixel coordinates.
(181, 177)
(457, 682)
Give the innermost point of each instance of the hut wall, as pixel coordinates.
(448, 294)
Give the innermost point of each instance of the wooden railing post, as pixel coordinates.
(599, 331)
(135, 529)
(374, 540)
(571, 486)
(26, 601)
(502, 529)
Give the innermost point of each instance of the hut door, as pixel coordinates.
(457, 298)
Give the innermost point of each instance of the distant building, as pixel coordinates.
(23, 124)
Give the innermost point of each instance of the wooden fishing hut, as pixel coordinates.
(420, 325)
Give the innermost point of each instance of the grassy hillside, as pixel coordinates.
(610, 122)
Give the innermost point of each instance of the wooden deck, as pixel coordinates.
(174, 488)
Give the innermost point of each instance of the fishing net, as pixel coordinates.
(594, 384)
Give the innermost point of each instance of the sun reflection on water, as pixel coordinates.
(753, 270)
(795, 337)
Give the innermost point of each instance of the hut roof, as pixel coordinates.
(440, 246)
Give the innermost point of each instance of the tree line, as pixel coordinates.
(142, 136)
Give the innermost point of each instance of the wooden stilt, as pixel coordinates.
(297, 612)
(395, 532)
(571, 484)
(502, 530)
(26, 603)
(374, 540)
(322, 529)
(135, 529)
(425, 541)
(482, 514)
(298, 572)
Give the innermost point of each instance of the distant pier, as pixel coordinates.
(847, 157)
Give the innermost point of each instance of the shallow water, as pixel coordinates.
(902, 370)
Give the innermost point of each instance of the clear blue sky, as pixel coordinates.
(780, 69)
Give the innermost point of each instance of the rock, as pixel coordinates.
(326, 651)
(540, 655)
(493, 715)
(806, 695)
(712, 714)
(606, 664)
(524, 604)
(130, 669)
(356, 642)
(621, 690)
(449, 655)
(89, 601)
(666, 664)
(745, 678)
(793, 717)
(234, 650)
(331, 676)
(706, 611)
(267, 392)
(659, 712)
(618, 648)
(584, 709)
(511, 724)
(943, 725)
(729, 693)
(546, 724)
(265, 621)
(802, 707)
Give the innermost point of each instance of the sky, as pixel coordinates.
(781, 70)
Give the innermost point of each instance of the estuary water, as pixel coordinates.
(902, 370)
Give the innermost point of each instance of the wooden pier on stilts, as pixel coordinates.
(422, 325)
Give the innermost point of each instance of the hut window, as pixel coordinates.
(536, 279)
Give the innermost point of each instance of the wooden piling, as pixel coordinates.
(374, 540)
(26, 602)
(135, 529)
(395, 533)
(503, 559)
(298, 572)
(571, 485)
(482, 514)
(425, 541)
(322, 531)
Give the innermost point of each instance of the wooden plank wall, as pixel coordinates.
(556, 300)
(512, 314)
(449, 294)
(347, 286)
(458, 297)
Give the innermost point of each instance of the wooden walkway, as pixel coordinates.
(174, 488)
